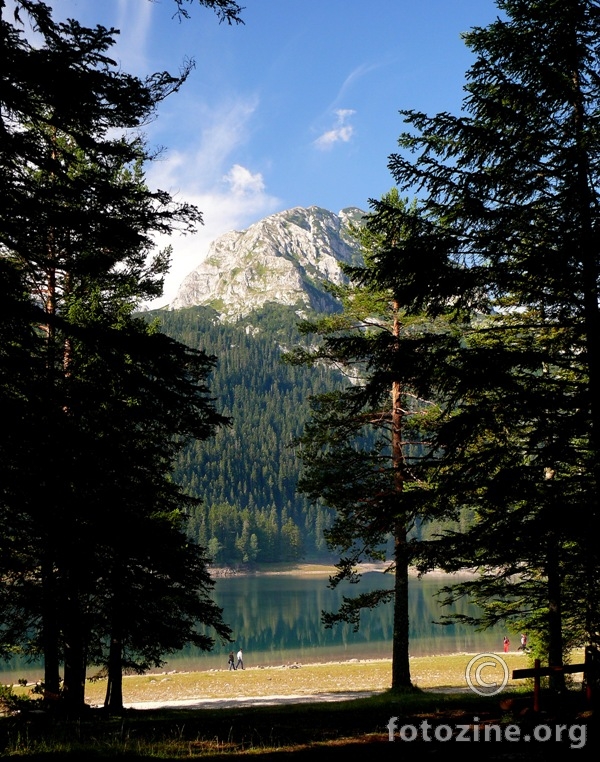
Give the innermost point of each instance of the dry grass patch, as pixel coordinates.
(448, 671)
(445, 671)
(305, 680)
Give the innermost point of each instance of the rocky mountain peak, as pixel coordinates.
(284, 258)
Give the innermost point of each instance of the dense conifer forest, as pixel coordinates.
(246, 475)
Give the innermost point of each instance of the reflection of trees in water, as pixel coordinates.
(270, 615)
(282, 613)
(290, 618)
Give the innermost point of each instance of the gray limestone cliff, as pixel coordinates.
(284, 258)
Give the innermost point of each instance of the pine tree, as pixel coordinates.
(360, 448)
(108, 402)
(509, 189)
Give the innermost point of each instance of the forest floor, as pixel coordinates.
(303, 712)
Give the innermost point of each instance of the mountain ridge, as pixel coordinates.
(284, 258)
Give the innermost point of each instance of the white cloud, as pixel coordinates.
(343, 113)
(340, 133)
(242, 182)
(230, 195)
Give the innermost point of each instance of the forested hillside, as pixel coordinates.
(246, 475)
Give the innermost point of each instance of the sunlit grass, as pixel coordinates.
(445, 671)
(442, 671)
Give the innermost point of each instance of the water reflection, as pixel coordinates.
(277, 619)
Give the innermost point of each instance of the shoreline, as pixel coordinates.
(328, 663)
(327, 570)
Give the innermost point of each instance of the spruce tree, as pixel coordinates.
(107, 402)
(509, 189)
(361, 449)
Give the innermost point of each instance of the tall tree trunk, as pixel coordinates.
(400, 645)
(74, 652)
(113, 701)
(50, 631)
(50, 624)
(555, 639)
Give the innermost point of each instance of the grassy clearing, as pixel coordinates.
(268, 734)
(295, 570)
(446, 671)
(271, 734)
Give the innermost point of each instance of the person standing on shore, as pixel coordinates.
(506, 644)
(240, 659)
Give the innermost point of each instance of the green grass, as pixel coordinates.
(266, 733)
(256, 733)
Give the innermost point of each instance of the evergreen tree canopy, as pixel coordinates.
(91, 520)
(508, 249)
(361, 449)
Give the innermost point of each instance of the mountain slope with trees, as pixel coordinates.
(247, 475)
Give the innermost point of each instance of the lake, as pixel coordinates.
(276, 620)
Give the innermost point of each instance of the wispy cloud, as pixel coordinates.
(341, 132)
(355, 75)
(134, 20)
(229, 194)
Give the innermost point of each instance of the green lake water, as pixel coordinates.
(277, 620)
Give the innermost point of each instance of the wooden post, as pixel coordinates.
(536, 686)
(538, 672)
(590, 673)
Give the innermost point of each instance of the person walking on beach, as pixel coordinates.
(231, 660)
(523, 646)
(506, 644)
(240, 659)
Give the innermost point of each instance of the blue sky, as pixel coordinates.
(297, 106)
